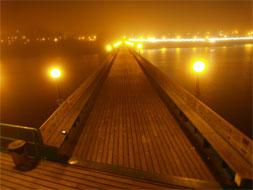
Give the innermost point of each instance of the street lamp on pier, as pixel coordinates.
(55, 74)
(198, 67)
(108, 48)
(139, 46)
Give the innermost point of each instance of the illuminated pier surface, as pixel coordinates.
(129, 121)
(129, 126)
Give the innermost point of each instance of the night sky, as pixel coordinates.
(126, 18)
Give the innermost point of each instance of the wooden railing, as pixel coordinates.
(211, 125)
(57, 127)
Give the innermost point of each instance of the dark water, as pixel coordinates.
(226, 84)
(28, 94)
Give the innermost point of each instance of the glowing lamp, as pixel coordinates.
(139, 46)
(55, 73)
(108, 48)
(199, 66)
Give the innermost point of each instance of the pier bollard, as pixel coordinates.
(18, 152)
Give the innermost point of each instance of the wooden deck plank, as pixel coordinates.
(68, 181)
(55, 179)
(185, 145)
(121, 144)
(94, 130)
(115, 123)
(136, 154)
(136, 93)
(140, 132)
(157, 133)
(105, 143)
(28, 181)
(131, 142)
(137, 129)
(170, 153)
(49, 175)
(8, 181)
(146, 123)
(99, 120)
(108, 137)
(179, 149)
(127, 140)
(154, 136)
(6, 187)
(73, 171)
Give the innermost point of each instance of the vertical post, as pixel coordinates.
(59, 100)
(58, 90)
(35, 145)
(40, 137)
(197, 86)
(19, 135)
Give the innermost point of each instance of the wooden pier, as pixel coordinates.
(130, 126)
(120, 129)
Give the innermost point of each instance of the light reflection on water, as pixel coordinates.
(226, 84)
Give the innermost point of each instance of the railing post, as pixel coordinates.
(19, 136)
(35, 145)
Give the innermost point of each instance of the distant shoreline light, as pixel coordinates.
(190, 39)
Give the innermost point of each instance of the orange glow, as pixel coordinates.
(108, 48)
(55, 73)
(199, 66)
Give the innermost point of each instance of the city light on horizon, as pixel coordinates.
(117, 44)
(207, 38)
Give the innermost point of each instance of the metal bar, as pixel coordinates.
(40, 138)
(16, 126)
(13, 139)
(35, 146)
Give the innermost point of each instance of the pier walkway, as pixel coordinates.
(125, 126)
(129, 126)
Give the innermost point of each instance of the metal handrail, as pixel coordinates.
(36, 141)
